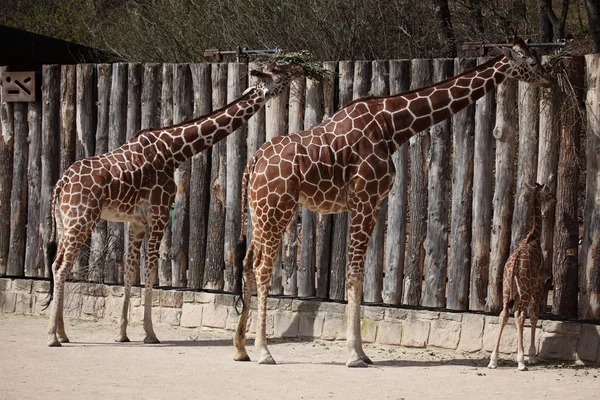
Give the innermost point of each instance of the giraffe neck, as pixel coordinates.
(185, 140)
(417, 110)
(535, 210)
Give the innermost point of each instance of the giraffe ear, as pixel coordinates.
(528, 186)
(508, 53)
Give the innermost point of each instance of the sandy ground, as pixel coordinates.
(194, 364)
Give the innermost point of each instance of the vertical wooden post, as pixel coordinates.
(6, 164)
(215, 265)
(419, 150)
(117, 125)
(34, 256)
(325, 221)
(199, 182)
(313, 114)
(436, 239)
(18, 199)
(236, 160)
(397, 201)
(482, 198)
(373, 284)
(182, 111)
(566, 229)
(98, 260)
(505, 133)
(589, 306)
(459, 265)
(68, 82)
(339, 235)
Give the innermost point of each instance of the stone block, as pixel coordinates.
(471, 335)
(285, 304)
(171, 298)
(444, 333)
(224, 299)
(117, 291)
(335, 326)
(272, 303)
(113, 306)
(92, 307)
(38, 304)
(136, 314)
(415, 333)
(5, 284)
(214, 316)
(389, 333)
(333, 308)
(22, 285)
(189, 297)
(156, 315)
(558, 346)
(270, 324)
(588, 343)
(567, 328)
(191, 315)
(395, 314)
(23, 303)
(286, 324)
(306, 306)
(94, 289)
(450, 316)
(8, 301)
(368, 330)
(171, 316)
(136, 291)
(205, 297)
(374, 313)
(233, 318)
(41, 287)
(424, 315)
(310, 324)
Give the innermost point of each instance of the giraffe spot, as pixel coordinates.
(477, 93)
(458, 92)
(440, 99)
(459, 105)
(223, 120)
(421, 124)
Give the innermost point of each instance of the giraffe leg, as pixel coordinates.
(533, 319)
(239, 339)
(520, 322)
(502, 319)
(136, 236)
(156, 233)
(263, 275)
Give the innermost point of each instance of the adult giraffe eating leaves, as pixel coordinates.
(345, 164)
(135, 183)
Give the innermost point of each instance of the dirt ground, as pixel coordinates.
(194, 364)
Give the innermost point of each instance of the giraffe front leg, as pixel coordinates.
(239, 339)
(520, 322)
(136, 236)
(533, 318)
(502, 319)
(263, 276)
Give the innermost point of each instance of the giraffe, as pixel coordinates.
(135, 184)
(345, 164)
(524, 272)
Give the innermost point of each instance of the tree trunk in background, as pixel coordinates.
(593, 12)
(546, 32)
(445, 30)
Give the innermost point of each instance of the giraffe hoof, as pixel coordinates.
(64, 339)
(151, 340)
(492, 365)
(268, 359)
(241, 357)
(358, 363)
(54, 343)
(122, 339)
(522, 368)
(366, 360)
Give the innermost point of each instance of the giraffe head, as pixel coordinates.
(542, 192)
(274, 80)
(525, 64)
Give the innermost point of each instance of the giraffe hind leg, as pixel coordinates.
(239, 339)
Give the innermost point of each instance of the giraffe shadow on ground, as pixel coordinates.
(166, 343)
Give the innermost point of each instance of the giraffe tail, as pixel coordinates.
(51, 246)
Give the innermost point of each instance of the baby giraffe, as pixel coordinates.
(524, 272)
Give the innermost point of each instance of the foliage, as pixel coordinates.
(312, 69)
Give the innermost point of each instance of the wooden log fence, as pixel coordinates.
(443, 234)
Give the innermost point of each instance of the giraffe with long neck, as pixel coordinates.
(523, 280)
(135, 183)
(345, 164)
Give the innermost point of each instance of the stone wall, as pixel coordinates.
(462, 332)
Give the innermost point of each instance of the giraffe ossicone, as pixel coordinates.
(345, 164)
(135, 183)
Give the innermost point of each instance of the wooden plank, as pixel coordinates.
(18, 199)
(34, 256)
(505, 133)
(325, 221)
(482, 198)
(459, 264)
(289, 243)
(98, 259)
(566, 229)
(117, 127)
(6, 164)
(339, 236)
(68, 84)
(182, 111)
(215, 242)
(397, 201)
(236, 160)
(313, 114)
(436, 239)
(589, 306)
(421, 71)
(275, 125)
(199, 181)
(373, 283)
(166, 119)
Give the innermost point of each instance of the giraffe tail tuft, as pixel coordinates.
(240, 251)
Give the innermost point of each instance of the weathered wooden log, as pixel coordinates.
(482, 199)
(34, 256)
(397, 201)
(215, 264)
(236, 160)
(6, 164)
(18, 199)
(117, 126)
(325, 221)
(199, 182)
(419, 149)
(68, 83)
(589, 306)
(98, 259)
(566, 227)
(182, 111)
(373, 285)
(289, 243)
(436, 239)
(505, 133)
(459, 265)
